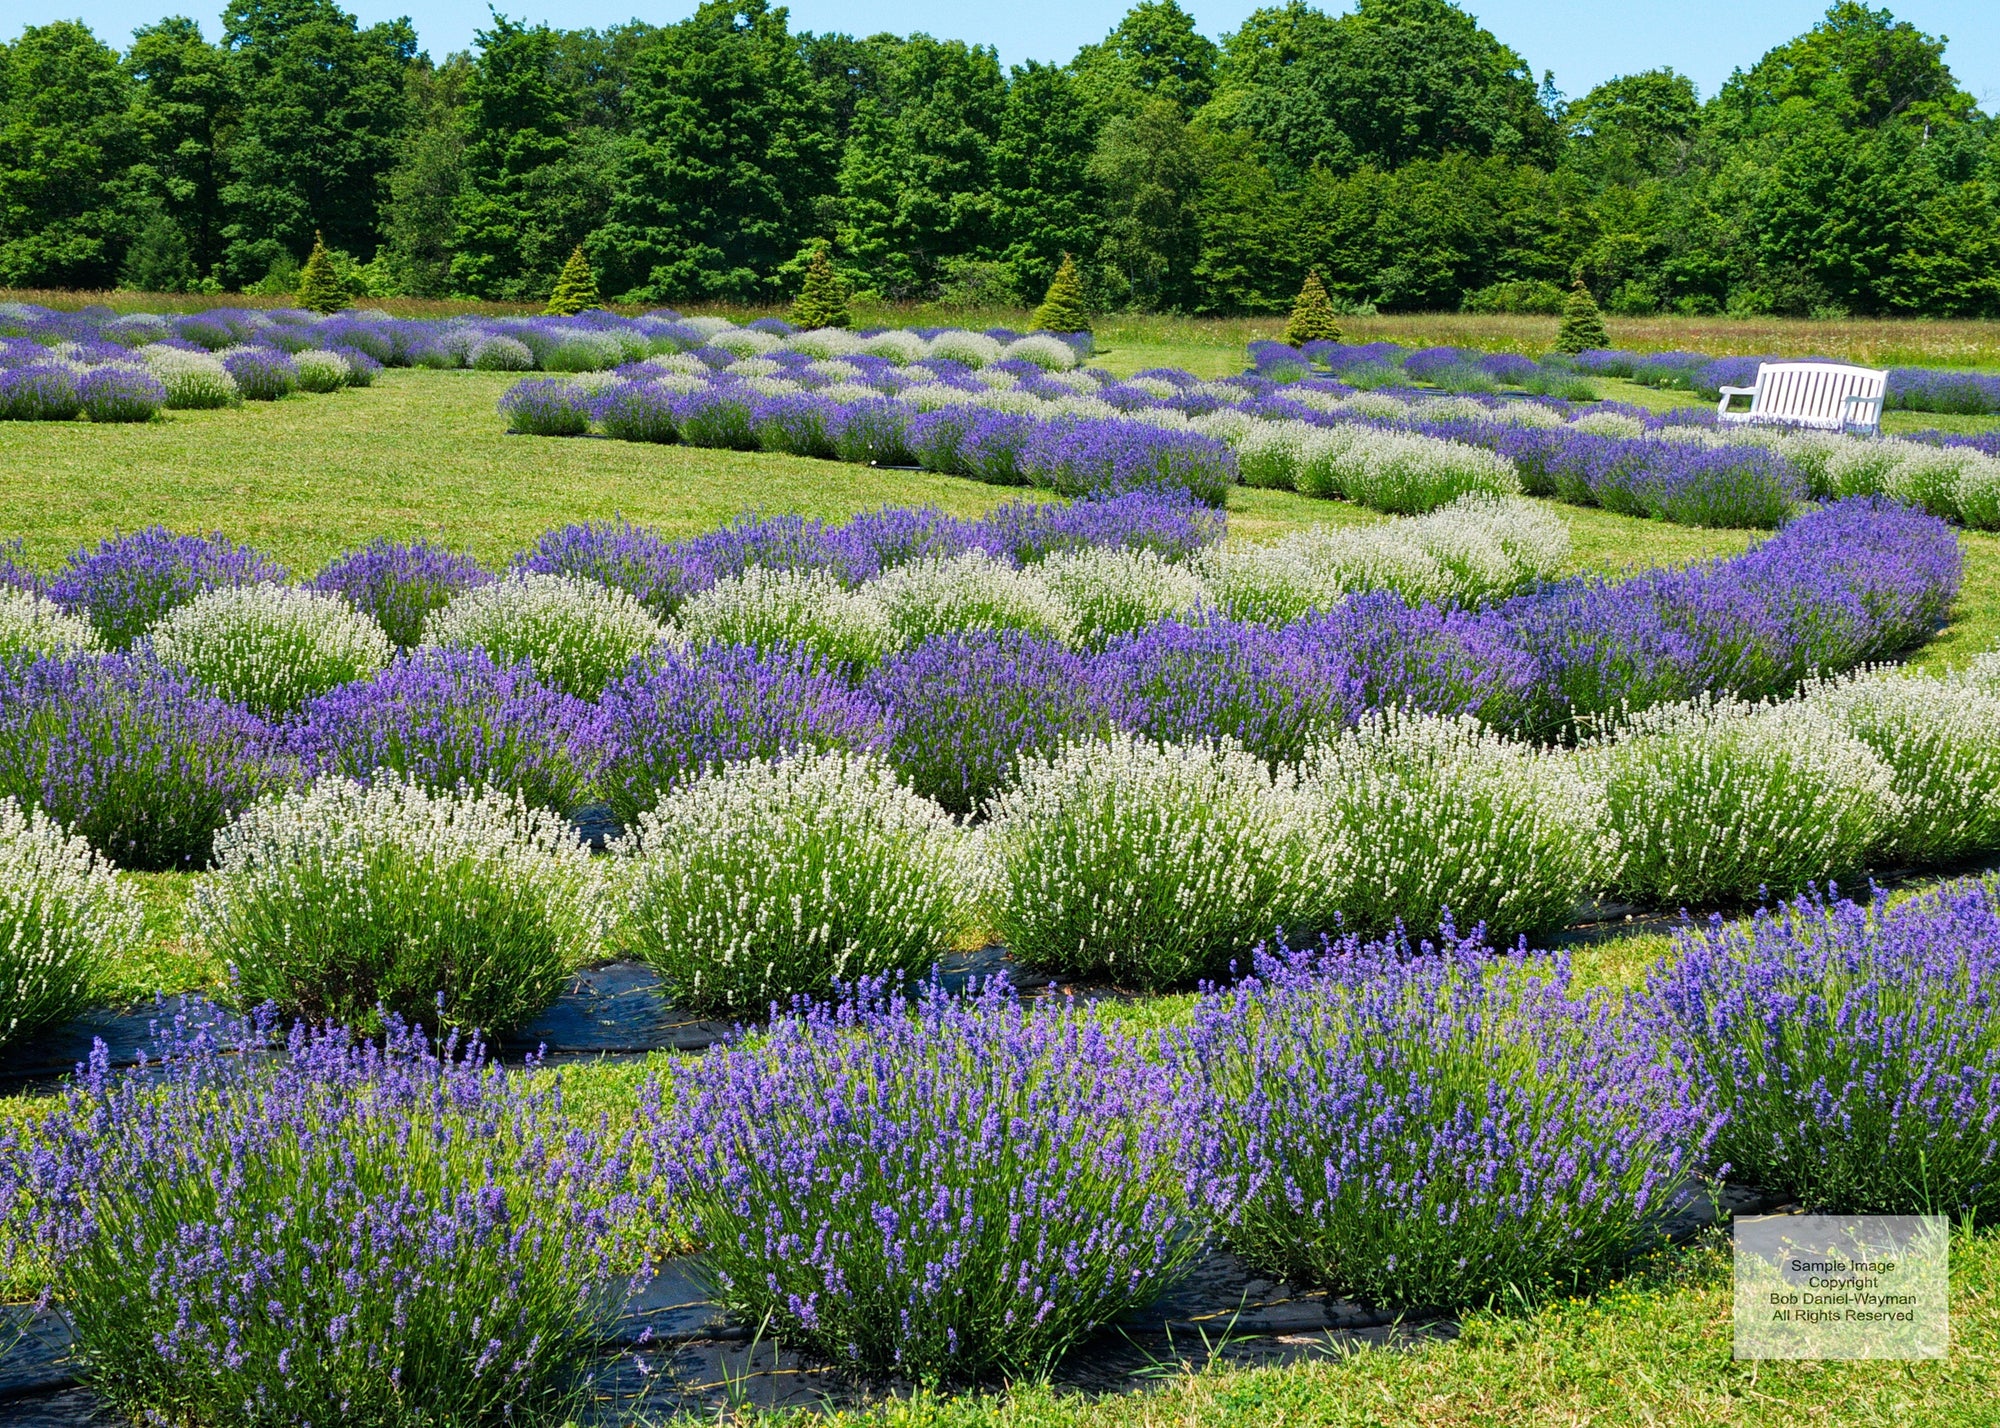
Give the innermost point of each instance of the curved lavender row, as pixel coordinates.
(1086, 432)
(1917, 389)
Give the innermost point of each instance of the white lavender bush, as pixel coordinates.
(1148, 865)
(578, 634)
(1405, 474)
(1941, 741)
(1477, 547)
(321, 371)
(195, 381)
(1720, 801)
(1105, 591)
(32, 626)
(765, 879)
(973, 591)
(766, 608)
(64, 913)
(1411, 817)
(271, 647)
(468, 906)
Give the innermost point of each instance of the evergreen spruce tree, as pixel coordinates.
(822, 299)
(1313, 318)
(576, 288)
(1062, 308)
(319, 284)
(1582, 324)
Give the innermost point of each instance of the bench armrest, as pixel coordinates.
(1730, 394)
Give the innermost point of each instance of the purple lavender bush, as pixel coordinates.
(1272, 690)
(1172, 524)
(120, 394)
(138, 759)
(963, 709)
(716, 417)
(660, 574)
(947, 1192)
(453, 718)
(547, 406)
(795, 424)
(874, 433)
(126, 583)
(263, 374)
(344, 1231)
(1429, 1127)
(635, 411)
(400, 585)
(39, 393)
(676, 715)
(1851, 1053)
(1100, 458)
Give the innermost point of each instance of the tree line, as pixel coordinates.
(1401, 151)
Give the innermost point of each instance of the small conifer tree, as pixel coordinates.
(319, 284)
(1313, 318)
(822, 299)
(576, 288)
(1582, 324)
(1063, 309)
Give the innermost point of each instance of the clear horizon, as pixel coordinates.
(1584, 42)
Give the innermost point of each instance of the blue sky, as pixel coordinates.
(1583, 41)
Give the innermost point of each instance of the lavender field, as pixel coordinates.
(1386, 834)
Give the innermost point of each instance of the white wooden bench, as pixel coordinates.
(1820, 395)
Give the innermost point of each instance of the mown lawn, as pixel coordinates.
(424, 453)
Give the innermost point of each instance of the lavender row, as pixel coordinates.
(1386, 364)
(1087, 432)
(149, 760)
(55, 366)
(952, 1190)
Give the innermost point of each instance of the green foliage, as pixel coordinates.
(575, 289)
(915, 180)
(1522, 295)
(1401, 150)
(1153, 53)
(1063, 308)
(729, 143)
(1396, 80)
(159, 260)
(822, 299)
(1313, 318)
(319, 286)
(1582, 324)
(70, 147)
(319, 112)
